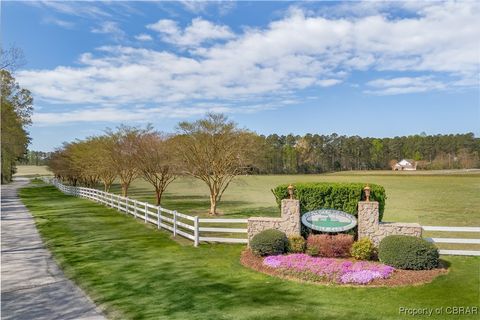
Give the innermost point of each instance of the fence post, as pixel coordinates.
(159, 217)
(126, 206)
(196, 232)
(146, 211)
(135, 208)
(118, 204)
(175, 223)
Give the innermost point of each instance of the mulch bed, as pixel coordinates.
(399, 277)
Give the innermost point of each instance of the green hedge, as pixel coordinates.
(339, 196)
(406, 252)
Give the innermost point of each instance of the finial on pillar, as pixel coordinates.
(290, 190)
(367, 193)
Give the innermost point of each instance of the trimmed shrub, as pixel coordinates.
(339, 196)
(363, 249)
(332, 246)
(269, 242)
(296, 244)
(406, 252)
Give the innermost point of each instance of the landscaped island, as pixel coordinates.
(327, 271)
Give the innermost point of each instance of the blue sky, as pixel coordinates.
(377, 69)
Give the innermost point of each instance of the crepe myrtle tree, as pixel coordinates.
(61, 164)
(214, 150)
(82, 156)
(155, 162)
(103, 162)
(121, 152)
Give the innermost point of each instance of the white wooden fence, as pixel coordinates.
(190, 227)
(194, 228)
(455, 240)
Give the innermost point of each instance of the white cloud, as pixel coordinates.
(197, 32)
(143, 37)
(195, 6)
(328, 82)
(81, 9)
(110, 27)
(59, 22)
(404, 85)
(166, 26)
(223, 7)
(440, 45)
(114, 114)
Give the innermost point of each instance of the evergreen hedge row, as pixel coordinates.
(339, 196)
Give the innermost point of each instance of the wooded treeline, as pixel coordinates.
(35, 158)
(16, 109)
(326, 153)
(315, 153)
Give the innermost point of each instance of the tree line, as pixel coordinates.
(313, 153)
(16, 110)
(35, 158)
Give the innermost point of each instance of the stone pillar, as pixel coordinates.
(291, 216)
(368, 216)
(288, 223)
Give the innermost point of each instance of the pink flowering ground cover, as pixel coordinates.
(334, 270)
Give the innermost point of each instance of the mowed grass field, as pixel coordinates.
(32, 171)
(444, 199)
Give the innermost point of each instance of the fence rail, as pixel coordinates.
(184, 225)
(455, 240)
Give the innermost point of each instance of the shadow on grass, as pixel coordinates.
(445, 263)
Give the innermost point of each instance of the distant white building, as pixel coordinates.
(405, 164)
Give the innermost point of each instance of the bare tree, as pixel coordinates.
(122, 154)
(82, 155)
(155, 161)
(104, 164)
(392, 163)
(11, 59)
(61, 164)
(214, 150)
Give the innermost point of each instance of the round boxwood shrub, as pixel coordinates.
(363, 249)
(406, 252)
(269, 242)
(296, 244)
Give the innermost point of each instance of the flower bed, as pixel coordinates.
(333, 270)
(302, 267)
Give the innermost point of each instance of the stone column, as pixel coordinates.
(289, 222)
(291, 217)
(368, 216)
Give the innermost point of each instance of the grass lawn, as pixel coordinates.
(135, 271)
